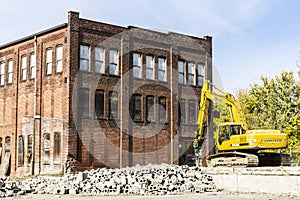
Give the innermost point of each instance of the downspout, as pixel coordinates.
(121, 110)
(34, 108)
(17, 104)
(172, 114)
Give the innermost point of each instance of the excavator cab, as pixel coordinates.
(226, 130)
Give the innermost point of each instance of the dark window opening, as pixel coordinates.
(7, 144)
(29, 148)
(83, 103)
(181, 112)
(57, 147)
(162, 109)
(192, 112)
(21, 152)
(150, 109)
(99, 104)
(46, 148)
(135, 105)
(113, 105)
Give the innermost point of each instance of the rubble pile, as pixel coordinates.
(139, 180)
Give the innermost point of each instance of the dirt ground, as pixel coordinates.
(204, 196)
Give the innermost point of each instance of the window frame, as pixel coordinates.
(2, 73)
(162, 68)
(148, 107)
(181, 73)
(150, 66)
(137, 65)
(113, 62)
(136, 107)
(162, 113)
(10, 68)
(83, 59)
(191, 73)
(59, 50)
(32, 65)
(192, 112)
(84, 101)
(115, 105)
(101, 61)
(49, 61)
(23, 68)
(200, 74)
(101, 105)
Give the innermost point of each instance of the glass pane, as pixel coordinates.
(191, 79)
(149, 73)
(84, 65)
(200, 69)
(99, 104)
(2, 68)
(180, 78)
(162, 63)
(99, 67)
(59, 53)
(49, 55)
(136, 59)
(99, 54)
(161, 75)
(149, 62)
(150, 109)
(180, 66)
(59, 66)
(191, 68)
(113, 56)
(137, 72)
(84, 52)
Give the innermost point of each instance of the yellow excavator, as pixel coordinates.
(235, 144)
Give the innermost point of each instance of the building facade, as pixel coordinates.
(100, 94)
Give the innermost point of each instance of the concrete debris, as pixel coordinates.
(139, 180)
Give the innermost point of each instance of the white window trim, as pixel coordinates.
(23, 67)
(32, 65)
(2, 73)
(48, 61)
(113, 62)
(10, 71)
(59, 58)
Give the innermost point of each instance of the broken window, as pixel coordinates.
(47, 148)
(136, 107)
(162, 109)
(99, 104)
(57, 147)
(150, 109)
(113, 105)
(21, 151)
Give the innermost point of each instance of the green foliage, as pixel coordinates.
(274, 104)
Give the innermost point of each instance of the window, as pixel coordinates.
(29, 148)
(136, 107)
(99, 104)
(32, 65)
(21, 152)
(48, 61)
(137, 65)
(192, 112)
(113, 62)
(7, 144)
(191, 73)
(84, 102)
(46, 148)
(2, 72)
(10, 71)
(59, 58)
(99, 60)
(149, 67)
(150, 108)
(162, 109)
(57, 147)
(23, 67)
(162, 69)
(84, 58)
(181, 112)
(0, 149)
(181, 72)
(113, 105)
(200, 74)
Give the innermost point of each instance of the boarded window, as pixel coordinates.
(21, 151)
(47, 148)
(135, 105)
(57, 147)
(99, 104)
(162, 109)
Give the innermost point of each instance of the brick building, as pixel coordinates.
(106, 95)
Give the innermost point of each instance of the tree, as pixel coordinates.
(275, 104)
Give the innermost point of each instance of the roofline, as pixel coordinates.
(60, 26)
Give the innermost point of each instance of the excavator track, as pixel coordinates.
(233, 159)
(274, 159)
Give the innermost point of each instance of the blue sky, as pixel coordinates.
(251, 38)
